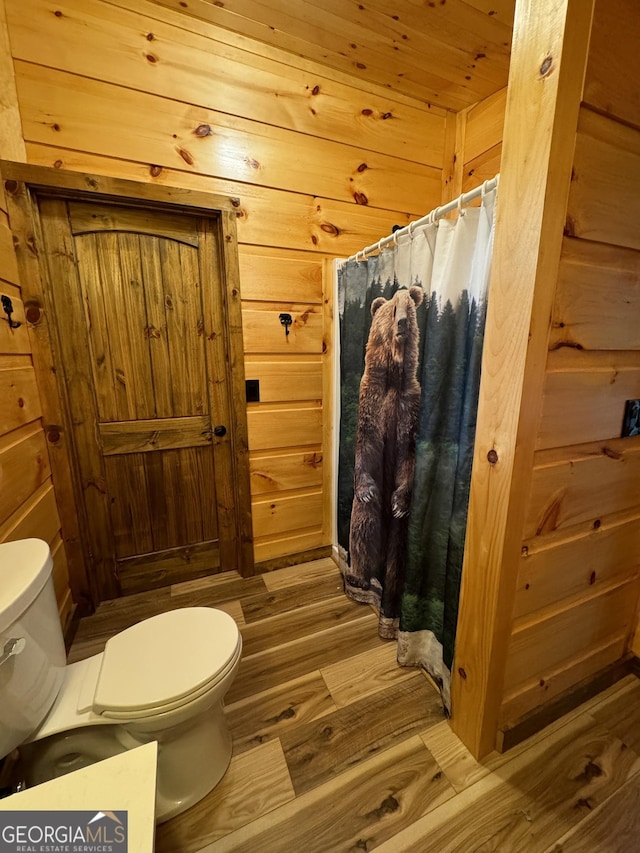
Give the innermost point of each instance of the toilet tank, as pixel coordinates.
(32, 653)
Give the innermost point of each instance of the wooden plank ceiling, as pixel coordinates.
(447, 53)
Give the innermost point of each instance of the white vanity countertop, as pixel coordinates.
(125, 782)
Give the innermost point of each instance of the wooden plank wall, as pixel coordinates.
(578, 580)
(473, 145)
(321, 165)
(27, 499)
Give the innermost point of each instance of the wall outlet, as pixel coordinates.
(252, 390)
(631, 420)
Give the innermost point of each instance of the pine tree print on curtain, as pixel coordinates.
(401, 529)
(389, 400)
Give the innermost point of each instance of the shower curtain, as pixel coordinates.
(411, 333)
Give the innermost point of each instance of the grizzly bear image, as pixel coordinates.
(385, 452)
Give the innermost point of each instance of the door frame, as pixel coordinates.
(24, 184)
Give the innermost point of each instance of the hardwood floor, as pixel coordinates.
(337, 748)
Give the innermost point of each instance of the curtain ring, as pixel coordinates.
(483, 190)
(461, 212)
(435, 217)
(410, 229)
(395, 237)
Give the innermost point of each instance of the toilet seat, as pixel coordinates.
(165, 662)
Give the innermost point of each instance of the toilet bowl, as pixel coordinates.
(162, 679)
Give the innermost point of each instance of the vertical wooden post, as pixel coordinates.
(329, 354)
(550, 46)
(236, 384)
(453, 160)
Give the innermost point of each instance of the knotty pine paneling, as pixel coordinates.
(19, 395)
(321, 166)
(37, 517)
(575, 604)
(484, 125)
(270, 548)
(286, 379)
(278, 515)
(604, 202)
(24, 466)
(273, 471)
(598, 298)
(474, 146)
(583, 484)
(556, 680)
(263, 331)
(584, 396)
(610, 85)
(542, 642)
(597, 557)
(27, 500)
(266, 217)
(295, 425)
(431, 53)
(280, 276)
(482, 135)
(168, 54)
(61, 109)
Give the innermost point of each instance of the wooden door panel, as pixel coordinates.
(100, 361)
(116, 320)
(130, 385)
(76, 365)
(128, 488)
(151, 268)
(89, 217)
(139, 311)
(158, 434)
(185, 327)
(165, 567)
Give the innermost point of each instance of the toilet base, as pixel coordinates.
(192, 756)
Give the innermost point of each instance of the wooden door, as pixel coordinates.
(139, 314)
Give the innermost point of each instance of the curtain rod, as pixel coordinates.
(437, 213)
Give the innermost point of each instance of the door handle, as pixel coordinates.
(218, 431)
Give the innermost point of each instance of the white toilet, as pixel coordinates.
(163, 679)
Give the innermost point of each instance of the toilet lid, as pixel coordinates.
(165, 659)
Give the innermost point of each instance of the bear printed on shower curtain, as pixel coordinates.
(388, 405)
(407, 428)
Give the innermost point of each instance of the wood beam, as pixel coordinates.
(549, 55)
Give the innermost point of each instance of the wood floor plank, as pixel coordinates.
(300, 657)
(454, 759)
(355, 811)
(261, 718)
(318, 751)
(532, 801)
(119, 613)
(612, 827)
(255, 783)
(572, 787)
(461, 768)
(204, 583)
(234, 609)
(211, 594)
(620, 714)
(300, 622)
(282, 600)
(364, 674)
(301, 574)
